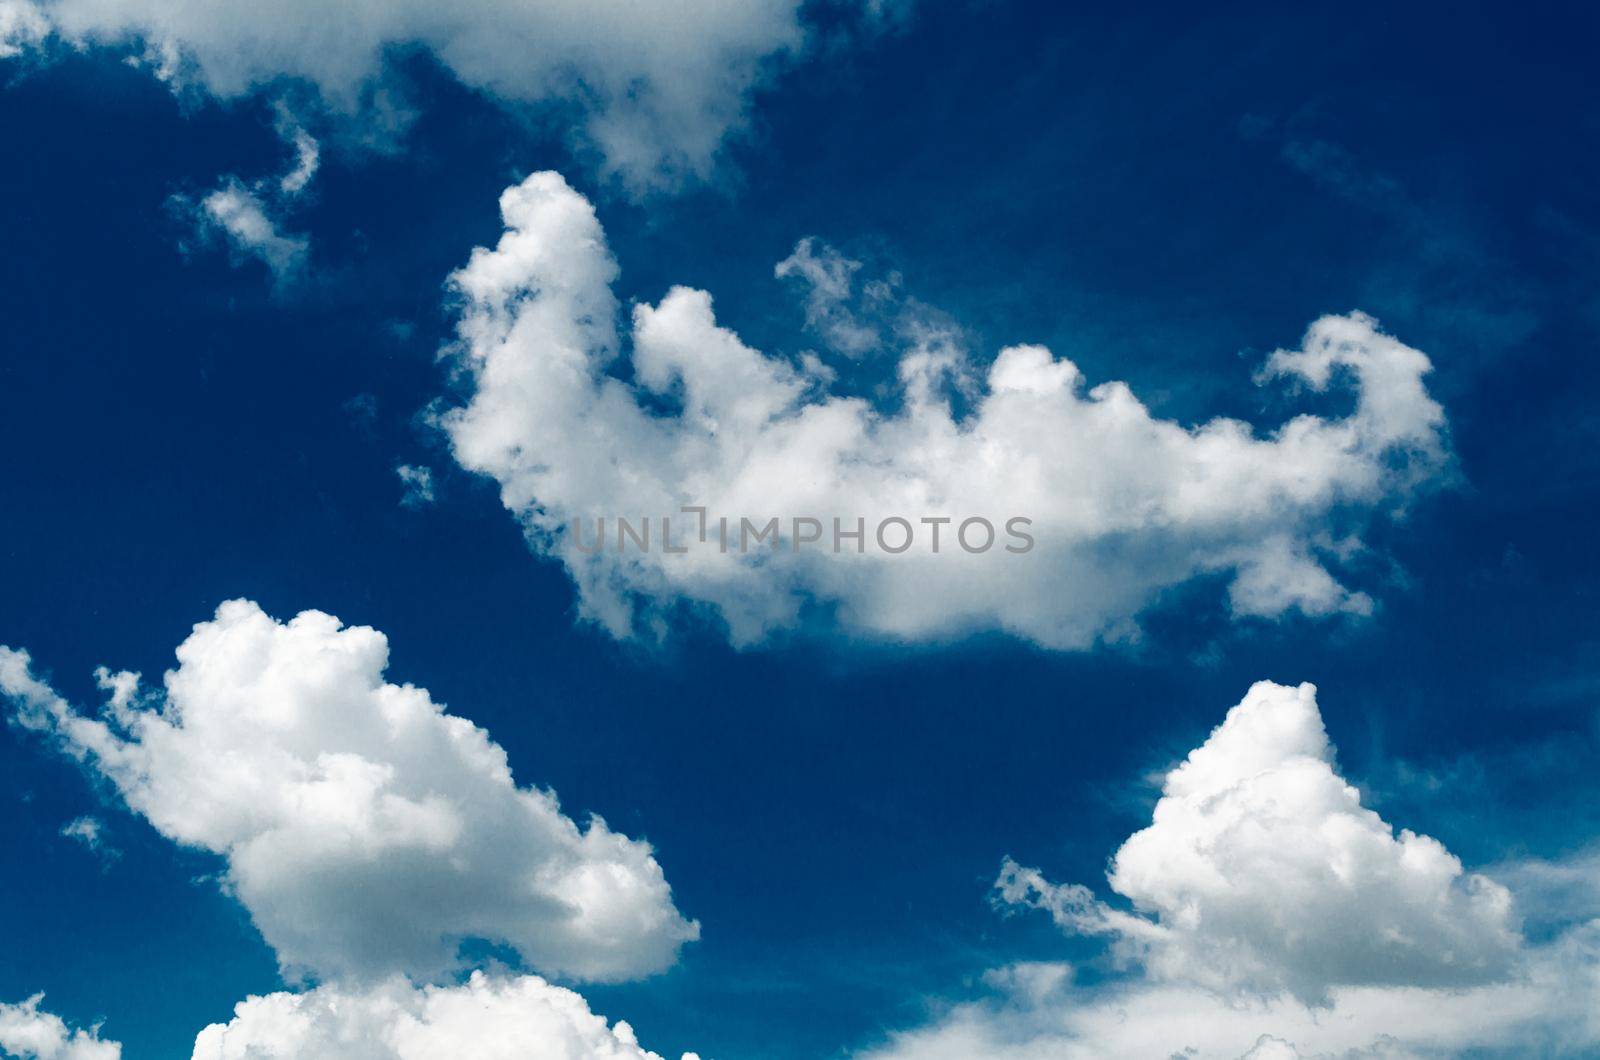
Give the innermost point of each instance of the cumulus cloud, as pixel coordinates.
(488, 1018)
(1274, 916)
(27, 1032)
(1262, 871)
(1123, 505)
(367, 831)
(654, 88)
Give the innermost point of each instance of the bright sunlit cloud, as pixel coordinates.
(367, 831)
(1272, 915)
(1094, 506)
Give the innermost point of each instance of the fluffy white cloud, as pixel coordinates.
(1274, 916)
(1262, 871)
(487, 1018)
(655, 87)
(1123, 505)
(367, 831)
(30, 1033)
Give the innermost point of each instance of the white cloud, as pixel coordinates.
(1547, 1009)
(22, 26)
(241, 217)
(1274, 916)
(654, 87)
(1263, 872)
(249, 217)
(487, 1018)
(367, 831)
(417, 483)
(1123, 505)
(30, 1033)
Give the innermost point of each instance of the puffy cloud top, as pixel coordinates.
(1123, 505)
(1273, 917)
(1263, 871)
(367, 831)
(30, 1033)
(486, 1018)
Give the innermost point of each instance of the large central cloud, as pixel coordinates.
(1123, 505)
(367, 831)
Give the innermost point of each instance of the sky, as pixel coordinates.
(313, 322)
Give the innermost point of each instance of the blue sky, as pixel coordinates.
(1162, 198)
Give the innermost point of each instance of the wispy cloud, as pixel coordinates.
(237, 215)
(90, 832)
(652, 91)
(417, 483)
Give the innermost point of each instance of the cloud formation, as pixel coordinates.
(575, 423)
(1263, 872)
(238, 215)
(653, 87)
(30, 1033)
(1274, 916)
(248, 218)
(22, 26)
(487, 1018)
(367, 831)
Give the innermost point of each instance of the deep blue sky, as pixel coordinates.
(1161, 198)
